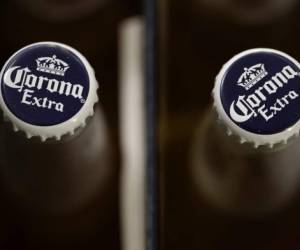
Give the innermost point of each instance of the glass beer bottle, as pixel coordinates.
(246, 158)
(57, 161)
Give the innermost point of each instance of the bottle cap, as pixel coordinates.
(257, 96)
(47, 89)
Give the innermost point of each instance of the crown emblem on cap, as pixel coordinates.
(52, 65)
(252, 75)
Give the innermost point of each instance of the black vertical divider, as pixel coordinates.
(152, 77)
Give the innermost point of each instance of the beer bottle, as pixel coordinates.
(201, 36)
(57, 167)
(246, 160)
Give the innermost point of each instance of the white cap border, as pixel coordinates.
(67, 127)
(246, 136)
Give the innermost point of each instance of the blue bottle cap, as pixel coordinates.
(257, 96)
(47, 89)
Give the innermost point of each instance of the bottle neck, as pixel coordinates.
(58, 177)
(239, 178)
